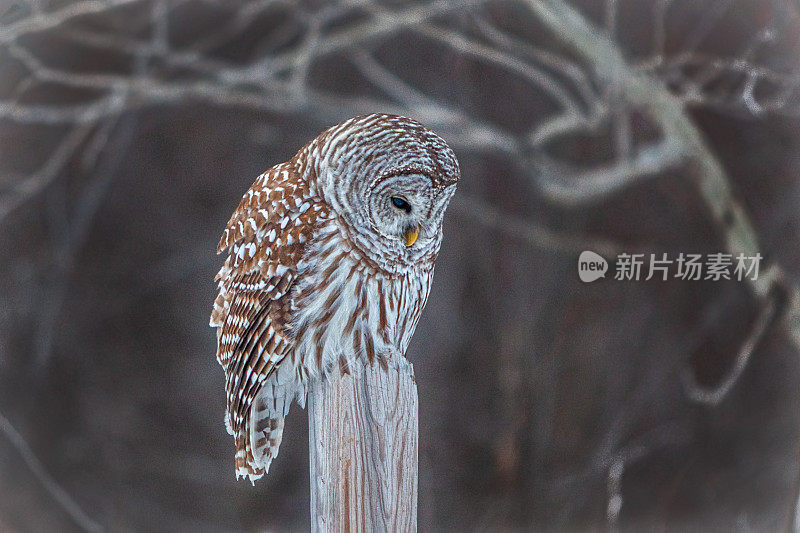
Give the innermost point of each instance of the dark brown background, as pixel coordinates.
(130, 129)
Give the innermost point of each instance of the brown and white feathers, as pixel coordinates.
(330, 257)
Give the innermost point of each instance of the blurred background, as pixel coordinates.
(129, 129)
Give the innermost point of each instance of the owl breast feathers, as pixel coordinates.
(330, 258)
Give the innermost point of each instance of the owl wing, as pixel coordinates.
(266, 238)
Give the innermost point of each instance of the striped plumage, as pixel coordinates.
(326, 263)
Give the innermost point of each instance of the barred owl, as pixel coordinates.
(330, 254)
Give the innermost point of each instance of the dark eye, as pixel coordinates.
(400, 203)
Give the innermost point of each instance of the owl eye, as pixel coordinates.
(400, 203)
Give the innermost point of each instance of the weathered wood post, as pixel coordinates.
(363, 449)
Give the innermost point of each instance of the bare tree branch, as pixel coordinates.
(714, 395)
(51, 485)
(639, 89)
(530, 232)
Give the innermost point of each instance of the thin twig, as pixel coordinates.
(48, 482)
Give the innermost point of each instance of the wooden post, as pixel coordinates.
(363, 449)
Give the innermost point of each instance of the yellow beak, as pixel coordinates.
(411, 236)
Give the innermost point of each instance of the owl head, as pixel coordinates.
(390, 179)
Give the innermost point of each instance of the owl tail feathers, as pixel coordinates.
(246, 466)
(256, 448)
(258, 442)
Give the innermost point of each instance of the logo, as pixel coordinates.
(591, 266)
(715, 266)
